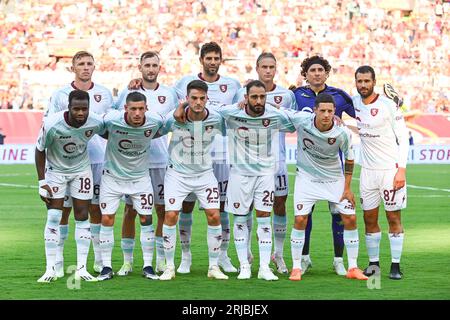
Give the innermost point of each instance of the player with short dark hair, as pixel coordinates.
(222, 90)
(266, 67)
(316, 70)
(100, 101)
(161, 99)
(126, 173)
(384, 154)
(190, 171)
(63, 166)
(320, 177)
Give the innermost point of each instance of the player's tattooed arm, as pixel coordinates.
(348, 170)
(348, 167)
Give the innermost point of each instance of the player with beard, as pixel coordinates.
(266, 67)
(384, 154)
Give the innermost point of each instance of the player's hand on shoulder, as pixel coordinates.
(134, 84)
(242, 104)
(247, 82)
(179, 114)
(338, 121)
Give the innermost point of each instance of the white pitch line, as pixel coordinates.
(17, 185)
(15, 174)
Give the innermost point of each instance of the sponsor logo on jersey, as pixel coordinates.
(55, 189)
(356, 109)
(331, 141)
(88, 133)
(128, 144)
(65, 137)
(305, 95)
(70, 147)
(103, 205)
(358, 119)
(266, 122)
(299, 206)
(172, 200)
(236, 205)
(162, 99)
(148, 132)
(209, 129)
(121, 132)
(309, 144)
(188, 141)
(98, 97)
(239, 120)
(374, 111)
(277, 99)
(223, 87)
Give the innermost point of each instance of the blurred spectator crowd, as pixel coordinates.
(408, 48)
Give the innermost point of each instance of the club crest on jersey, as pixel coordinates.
(277, 99)
(331, 141)
(299, 206)
(237, 205)
(266, 122)
(223, 87)
(55, 189)
(98, 97)
(209, 129)
(162, 99)
(172, 200)
(148, 132)
(103, 205)
(374, 111)
(88, 133)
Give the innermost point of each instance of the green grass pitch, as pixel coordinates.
(425, 260)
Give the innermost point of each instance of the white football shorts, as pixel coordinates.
(140, 192)
(245, 190)
(376, 185)
(203, 186)
(308, 190)
(281, 181)
(77, 185)
(97, 170)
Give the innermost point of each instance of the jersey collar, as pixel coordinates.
(157, 87)
(200, 76)
(75, 87)
(187, 111)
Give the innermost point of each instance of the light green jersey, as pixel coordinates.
(191, 142)
(318, 152)
(66, 146)
(253, 142)
(127, 148)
